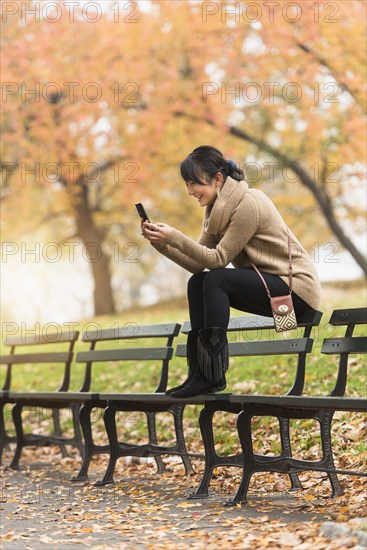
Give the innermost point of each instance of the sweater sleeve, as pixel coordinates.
(183, 259)
(243, 225)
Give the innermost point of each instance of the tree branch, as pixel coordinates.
(344, 86)
(321, 196)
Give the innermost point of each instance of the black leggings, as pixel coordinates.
(212, 293)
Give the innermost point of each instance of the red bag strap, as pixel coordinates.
(290, 271)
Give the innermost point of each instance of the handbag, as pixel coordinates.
(282, 306)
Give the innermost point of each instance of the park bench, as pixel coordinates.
(86, 400)
(320, 408)
(19, 357)
(82, 402)
(247, 325)
(142, 333)
(284, 407)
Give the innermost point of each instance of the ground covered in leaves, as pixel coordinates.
(42, 508)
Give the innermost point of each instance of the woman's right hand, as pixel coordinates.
(157, 233)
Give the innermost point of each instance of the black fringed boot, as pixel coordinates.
(212, 356)
(192, 358)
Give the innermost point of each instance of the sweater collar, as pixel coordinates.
(218, 215)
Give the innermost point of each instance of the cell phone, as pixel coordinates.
(141, 211)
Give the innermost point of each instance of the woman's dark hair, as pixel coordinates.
(206, 161)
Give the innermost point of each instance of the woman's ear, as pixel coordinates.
(218, 179)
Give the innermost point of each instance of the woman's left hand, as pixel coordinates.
(156, 233)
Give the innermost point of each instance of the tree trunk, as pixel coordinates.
(92, 238)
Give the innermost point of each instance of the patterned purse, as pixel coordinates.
(282, 306)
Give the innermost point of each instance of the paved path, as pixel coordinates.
(41, 508)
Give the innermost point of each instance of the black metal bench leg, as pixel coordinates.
(90, 447)
(161, 467)
(17, 419)
(109, 417)
(2, 433)
(249, 463)
(287, 452)
(206, 428)
(5, 439)
(57, 430)
(325, 419)
(75, 410)
(177, 412)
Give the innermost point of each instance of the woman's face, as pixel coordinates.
(206, 194)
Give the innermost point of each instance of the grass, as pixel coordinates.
(271, 375)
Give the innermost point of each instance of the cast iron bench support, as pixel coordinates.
(291, 407)
(163, 354)
(213, 460)
(120, 449)
(323, 410)
(253, 463)
(297, 347)
(64, 360)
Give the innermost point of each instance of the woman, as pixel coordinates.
(240, 226)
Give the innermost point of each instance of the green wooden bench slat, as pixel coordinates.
(293, 346)
(32, 339)
(133, 331)
(162, 398)
(275, 347)
(351, 344)
(52, 357)
(70, 397)
(310, 318)
(52, 397)
(260, 322)
(356, 316)
(180, 350)
(124, 354)
(249, 322)
(296, 402)
(304, 402)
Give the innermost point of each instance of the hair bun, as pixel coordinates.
(231, 167)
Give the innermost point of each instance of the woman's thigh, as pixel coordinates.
(246, 291)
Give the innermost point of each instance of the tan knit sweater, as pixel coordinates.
(243, 225)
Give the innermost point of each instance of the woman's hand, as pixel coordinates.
(156, 233)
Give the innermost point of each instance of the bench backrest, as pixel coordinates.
(347, 344)
(124, 337)
(299, 346)
(309, 320)
(16, 345)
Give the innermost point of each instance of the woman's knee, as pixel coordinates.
(214, 280)
(195, 283)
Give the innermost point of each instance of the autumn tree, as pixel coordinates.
(291, 84)
(67, 126)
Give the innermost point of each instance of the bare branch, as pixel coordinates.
(339, 79)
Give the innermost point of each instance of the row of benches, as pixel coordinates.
(284, 407)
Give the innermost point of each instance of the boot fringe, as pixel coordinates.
(191, 350)
(213, 365)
